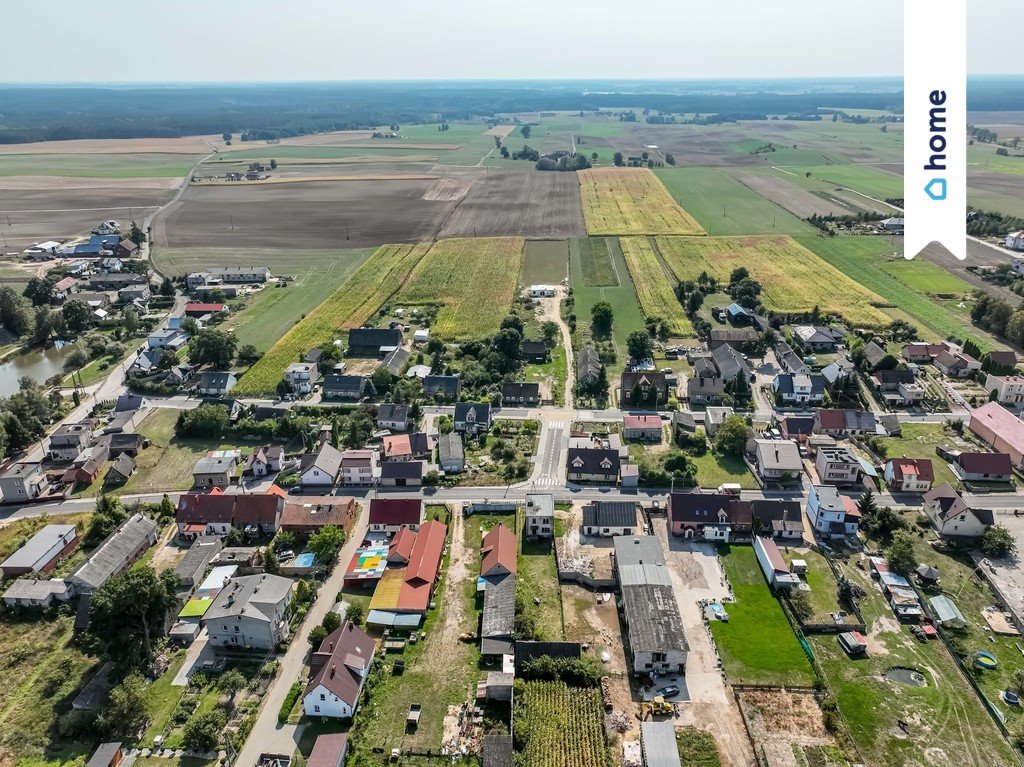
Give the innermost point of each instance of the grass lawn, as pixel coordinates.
(757, 645)
(545, 262)
(595, 261)
(925, 277)
(554, 371)
(622, 297)
(824, 595)
(714, 470)
(723, 205)
(537, 579)
(697, 748)
(919, 441)
(948, 725)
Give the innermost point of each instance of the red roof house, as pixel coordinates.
(909, 475)
(390, 514)
(498, 552)
(423, 567)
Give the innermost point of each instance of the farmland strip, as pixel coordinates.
(653, 287)
(624, 201)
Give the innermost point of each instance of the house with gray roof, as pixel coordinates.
(192, 568)
(42, 551)
(250, 612)
(346, 387)
(451, 456)
(216, 468)
(777, 459)
(608, 518)
(497, 624)
(731, 363)
(29, 592)
(446, 387)
(588, 365)
(472, 417)
(320, 468)
(216, 384)
(118, 551)
(372, 342)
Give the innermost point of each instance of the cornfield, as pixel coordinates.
(472, 280)
(556, 725)
(631, 201)
(354, 302)
(654, 288)
(793, 279)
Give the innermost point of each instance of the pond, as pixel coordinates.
(39, 364)
(906, 676)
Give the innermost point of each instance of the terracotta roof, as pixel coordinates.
(351, 653)
(396, 511)
(397, 444)
(642, 422)
(401, 545)
(498, 550)
(774, 556)
(328, 750)
(424, 563)
(203, 307)
(909, 467)
(218, 508)
(1002, 422)
(317, 511)
(831, 419)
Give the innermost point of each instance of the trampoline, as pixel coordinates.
(985, 660)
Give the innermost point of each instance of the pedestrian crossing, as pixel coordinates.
(556, 424)
(546, 481)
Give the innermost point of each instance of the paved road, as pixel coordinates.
(268, 735)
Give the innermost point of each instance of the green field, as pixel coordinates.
(984, 157)
(622, 297)
(545, 262)
(654, 286)
(147, 165)
(596, 265)
(757, 644)
(925, 277)
(319, 152)
(714, 470)
(722, 205)
(861, 178)
(863, 259)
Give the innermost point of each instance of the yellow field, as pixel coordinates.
(353, 303)
(473, 280)
(631, 201)
(653, 287)
(793, 278)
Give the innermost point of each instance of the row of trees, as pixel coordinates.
(25, 415)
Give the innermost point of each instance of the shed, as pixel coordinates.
(947, 613)
(659, 744)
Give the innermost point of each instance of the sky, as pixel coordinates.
(306, 40)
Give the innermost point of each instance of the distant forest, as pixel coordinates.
(267, 111)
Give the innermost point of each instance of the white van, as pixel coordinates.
(730, 488)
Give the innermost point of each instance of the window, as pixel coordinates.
(323, 697)
(317, 708)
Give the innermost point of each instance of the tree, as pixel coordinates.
(39, 290)
(133, 604)
(232, 682)
(166, 507)
(550, 331)
(207, 421)
(800, 601)
(593, 156)
(138, 236)
(525, 131)
(167, 288)
(382, 380)
(126, 712)
(213, 347)
(317, 636)
(900, 554)
(601, 318)
(15, 311)
(77, 316)
(325, 544)
(617, 158)
(226, 136)
(108, 515)
(355, 613)
(670, 158)
(866, 504)
(331, 621)
(273, 164)
(270, 561)
(639, 346)
(998, 543)
(248, 355)
(731, 437)
(202, 730)
(130, 322)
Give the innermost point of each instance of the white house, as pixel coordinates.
(22, 482)
(393, 417)
(320, 469)
(909, 475)
(339, 671)
(540, 515)
(301, 377)
(541, 291)
(832, 515)
(1009, 389)
(952, 517)
(1015, 241)
(774, 567)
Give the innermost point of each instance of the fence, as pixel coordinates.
(565, 575)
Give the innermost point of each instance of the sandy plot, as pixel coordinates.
(528, 204)
(346, 214)
(56, 183)
(186, 145)
(298, 179)
(447, 189)
(390, 144)
(499, 130)
(797, 201)
(315, 139)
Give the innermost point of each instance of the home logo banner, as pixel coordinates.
(935, 125)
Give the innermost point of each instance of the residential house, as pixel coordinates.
(106, 755)
(835, 422)
(407, 447)
(22, 482)
(346, 387)
(604, 519)
(832, 515)
(472, 417)
(731, 363)
(373, 342)
(357, 467)
(1009, 390)
(191, 570)
(714, 417)
(1000, 430)
(233, 406)
(200, 309)
(216, 384)
(395, 360)
(798, 428)
(1015, 241)
(216, 469)
(29, 592)
(921, 353)
(329, 750)
(952, 517)
(258, 513)
(894, 225)
(393, 417)
(120, 471)
(115, 282)
(265, 460)
(70, 439)
(540, 515)
(588, 366)
(956, 364)
(643, 388)
(498, 551)
(118, 551)
(873, 354)
(683, 421)
(389, 515)
(86, 467)
(777, 460)
(167, 339)
(62, 289)
(836, 466)
(450, 455)
(593, 464)
(909, 475)
(646, 428)
(706, 386)
(306, 516)
(655, 633)
(774, 567)
(129, 403)
(443, 387)
(520, 393)
(789, 360)
(401, 473)
(735, 337)
(1001, 360)
(301, 377)
(982, 467)
(497, 624)
(817, 338)
(799, 389)
(253, 275)
(344, 659)
(407, 604)
(320, 469)
(125, 248)
(839, 372)
(250, 612)
(41, 552)
(139, 294)
(535, 352)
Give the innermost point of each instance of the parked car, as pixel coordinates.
(668, 692)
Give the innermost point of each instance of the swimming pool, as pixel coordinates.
(305, 559)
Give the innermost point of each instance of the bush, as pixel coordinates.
(289, 701)
(576, 672)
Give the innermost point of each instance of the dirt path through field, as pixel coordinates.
(459, 560)
(551, 310)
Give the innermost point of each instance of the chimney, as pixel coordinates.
(333, 669)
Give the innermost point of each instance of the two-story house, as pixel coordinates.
(706, 386)
(836, 466)
(952, 517)
(70, 439)
(301, 377)
(339, 668)
(1009, 390)
(472, 417)
(389, 515)
(798, 389)
(832, 515)
(22, 482)
(250, 612)
(357, 467)
(909, 475)
(643, 388)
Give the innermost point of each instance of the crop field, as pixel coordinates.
(794, 278)
(780, 188)
(596, 266)
(654, 288)
(376, 280)
(723, 205)
(757, 645)
(631, 201)
(316, 214)
(925, 277)
(528, 204)
(150, 165)
(864, 179)
(473, 280)
(862, 258)
(545, 262)
(559, 726)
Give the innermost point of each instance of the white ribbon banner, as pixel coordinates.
(935, 125)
